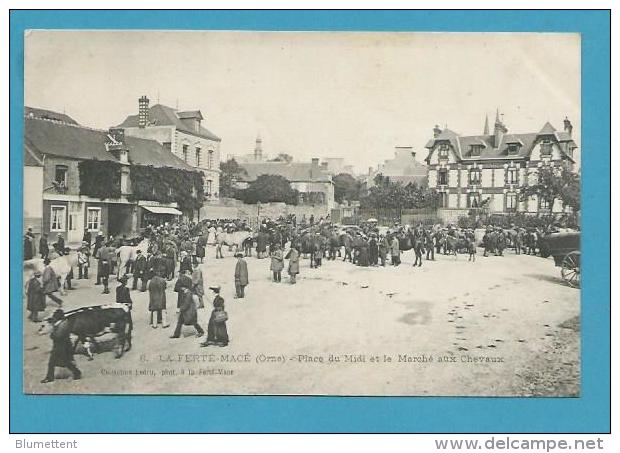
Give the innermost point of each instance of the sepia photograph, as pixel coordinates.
(302, 213)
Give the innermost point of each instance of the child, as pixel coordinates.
(122, 292)
(83, 262)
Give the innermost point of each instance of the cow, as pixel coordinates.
(87, 323)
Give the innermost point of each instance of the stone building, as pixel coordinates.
(183, 134)
(491, 169)
(55, 201)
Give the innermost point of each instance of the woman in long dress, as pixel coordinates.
(217, 333)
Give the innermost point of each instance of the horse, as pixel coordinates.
(62, 266)
(235, 239)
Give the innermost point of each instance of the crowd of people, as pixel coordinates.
(151, 262)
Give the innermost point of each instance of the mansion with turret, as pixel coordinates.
(491, 169)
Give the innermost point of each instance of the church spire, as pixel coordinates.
(258, 150)
(486, 125)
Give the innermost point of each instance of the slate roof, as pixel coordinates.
(162, 115)
(32, 112)
(294, 171)
(491, 150)
(78, 142)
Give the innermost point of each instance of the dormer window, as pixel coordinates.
(513, 148)
(545, 147)
(476, 150)
(443, 151)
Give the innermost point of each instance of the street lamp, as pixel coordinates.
(258, 204)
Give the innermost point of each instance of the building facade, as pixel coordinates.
(314, 185)
(56, 200)
(491, 169)
(183, 134)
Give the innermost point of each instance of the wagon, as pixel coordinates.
(565, 249)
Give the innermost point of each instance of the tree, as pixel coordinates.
(553, 184)
(387, 194)
(346, 187)
(283, 157)
(231, 173)
(268, 188)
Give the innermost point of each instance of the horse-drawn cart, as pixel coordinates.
(565, 249)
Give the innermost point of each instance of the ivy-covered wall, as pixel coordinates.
(100, 178)
(167, 185)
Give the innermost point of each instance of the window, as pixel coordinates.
(185, 151)
(476, 150)
(475, 176)
(545, 148)
(543, 204)
(197, 157)
(443, 151)
(210, 162)
(442, 177)
(511, 202)
(473, 199)
(60, 176)
(167, 146)
(513, 148)
(512, 175)
(58, 218)
(93, 219)
(171, 191)
(209, 187)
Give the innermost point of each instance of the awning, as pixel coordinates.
(162, 210)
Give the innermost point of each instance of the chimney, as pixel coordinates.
(315, 162)
(143, 111)
(499, 130)
(568, 127)
(436, 131)
(486, 125)
(115, 143)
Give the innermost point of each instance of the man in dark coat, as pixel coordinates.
(28, 247)
(59, 245)
(104, 256)
(157, 301)
(87, 236)
(188, 315)
(36, 297)
(44, 248)
(139, 271)
(241, 276)
(62, 349)
(50, 282)
(373, 250)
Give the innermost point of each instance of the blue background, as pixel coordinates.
(589, 413)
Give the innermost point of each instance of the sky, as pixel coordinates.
(312, 94)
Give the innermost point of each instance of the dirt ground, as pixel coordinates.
(502, 326)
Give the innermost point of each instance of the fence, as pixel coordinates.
(387, 217)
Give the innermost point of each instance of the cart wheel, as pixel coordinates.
(571, 269)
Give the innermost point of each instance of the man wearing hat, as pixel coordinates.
(35, 297)
(122, 292)
(50, 283)
(62, 349)
(188, 315)
(60, 244)
(140, 271)
(241, 276)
